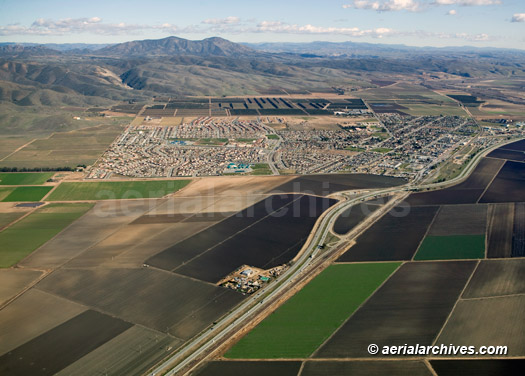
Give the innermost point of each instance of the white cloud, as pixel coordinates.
(222, 21)
(452, 12)
(92, 25)
(413, 5)
(281, 27)
(467, 2)
(518, 17)
(385, 6)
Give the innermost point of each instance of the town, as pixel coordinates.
(388, 144)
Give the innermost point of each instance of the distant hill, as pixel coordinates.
(21, 51)
(174, 46)
(355, 49)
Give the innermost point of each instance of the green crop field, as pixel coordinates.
(27, 194)
(115, 190)
(7, 218)
(25, 236)
(452, 247)
(272, 137)
(24, 178)
(305, 321)
(4, 192)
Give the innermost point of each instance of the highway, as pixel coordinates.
(195, 351)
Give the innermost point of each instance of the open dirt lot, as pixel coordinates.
(233, 186)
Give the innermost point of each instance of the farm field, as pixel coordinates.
(447, 196)
(496, 278)
(158, 300)
(327, 184)
(43, 224)
(58, 347)
(451, 247)
(482, 175)
(393, 315)
(253, 246)
(396, 236)
(31, 315)
(518, 146)
(63, 149)
(4, 192)
(243, 239)
(27, 194)
(10, 144)
(436, 110)
(518, 236)
(105, 218)
(479, 367)
(24, 178)
(12, 281)
(70, 191)
(328, 300)
(511, 155)
(130, 353)
(222, 368)
(500, 229)
(7, 218)
(133, 243)
(460, 220)
(497, 322)
(508, 184)
(354, 215)
(467, 192)
(365, 368)
(175, 256)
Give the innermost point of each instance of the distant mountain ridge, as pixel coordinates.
(174, 46)
(21, 51)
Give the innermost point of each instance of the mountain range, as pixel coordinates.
(79, 75)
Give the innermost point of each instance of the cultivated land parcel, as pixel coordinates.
(304, 322)
(25, 236)
(115, 190)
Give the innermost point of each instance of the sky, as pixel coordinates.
(438, 23)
